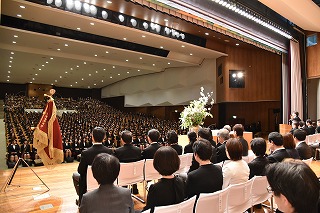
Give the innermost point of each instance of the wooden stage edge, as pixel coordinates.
(26, 194)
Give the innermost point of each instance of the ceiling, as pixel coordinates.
(305, 14)
(46, 59)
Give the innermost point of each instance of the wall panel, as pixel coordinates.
(313, 58)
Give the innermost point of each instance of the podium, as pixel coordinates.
(284, 128)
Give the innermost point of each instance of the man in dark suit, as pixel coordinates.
(278, 151)
(311, 128)
(128, 152)
(208, 177)
(303, 149)
(223, 136)
(238, 130)
(108, 197)
(153, 137)
(173, 141)
(257, 166)
(87, 156)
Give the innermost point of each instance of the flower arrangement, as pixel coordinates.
(194, 114)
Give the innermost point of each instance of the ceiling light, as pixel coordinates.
(182, 46)
(47, 62)
(55, 81)
(69, 4)
(191, 54)
(118, 73)
(109, 2)
(66, 45)
(89, 74)
(9, 72)
(78, 28)
(153, 64)
(66, 72)
(127, 60)
(110, 76)
(161, 47)
(23, 7)
(125, 39)
(140, 58)
(51, 58)
(96, 71)
(15, 36)
(169, 63)
(206, 33)
(33, 79)
(86, 7)
(14, 42)
(18, 15)
(8, 76)
(165, 20)
(104, 69)
(143, 36)
(8, 80)
(71, 68)
(71, 85)
(84, 62)
(60, 76)
(237, 44)
(138, 70)
(82, 79)
(121, 18)
(36, 74)
(58, 3)
(107, 52)
(77, 65)
(89, 87)
(145, 25)
(76, 82)
(30, 82)
(95, 84)
(128, 72)
(77, 5)
(10, 61)
(58, 49)
(12, 53)
(104, 14)
(95, 55)
(102, 80)
(39, 68)
(93, 10)
(51, 84)
(11, 57)
(42, 65)
(113, 67)
(92, 23)
(9, 65)
(133, 22)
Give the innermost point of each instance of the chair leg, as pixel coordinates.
(138, 198)
(144, 183)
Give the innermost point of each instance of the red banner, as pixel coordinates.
(47, 137)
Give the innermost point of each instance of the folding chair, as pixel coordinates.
(212, 202)
(259, 192)
(239, 197)
(183, 207)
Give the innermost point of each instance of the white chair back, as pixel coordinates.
(259, 192)
(212, 202)
(308, 161)
(239, 197)
(131, 173)
(183, 207)
(185, 163)
(91, 181)
(150, 173)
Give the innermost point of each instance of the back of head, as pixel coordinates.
(238, 129)
(297, 182)
(166, 160)
(258, 146)
(205, 133)
(203, 149)
(172, 137)
(309, 121)
(227, 127)
(288, 141)
(192, 136)
(126, 136)
(105, 168)
(276, 138)
(299, 134)
(234, 149)
(154, 135)
(98, 134)
(224, 133)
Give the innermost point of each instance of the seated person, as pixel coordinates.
(290, 146)
(208, 177)
(108, 197)
(11, 162)
(238, 130)
(276, 146)
(301, 146)
(169, 189)
(153, 137)
(236, 170)
(257, 166)
(294, 185)
(192, 136)
(173, 141)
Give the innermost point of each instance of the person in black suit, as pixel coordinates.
(278, 151)
(223, 136)
(208, 177)
(153, 137)
(192, 136)
(128, 153)
(206, 133)
(14, 148)
(311, 128)
(169, 189)
(173, 141)
(257, 166)
(238, 130)
(87, 156)
(303, 149)
(294, 117)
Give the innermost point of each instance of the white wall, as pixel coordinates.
(174, 86)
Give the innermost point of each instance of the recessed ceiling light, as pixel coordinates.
(89, 87)
(109, 2)
(51, 84)
(58, 49)
(9, 72)
(39, 68)
(96, 71)
(47, 62)
(9, 65)
(125, 39)
(102, 80)
(11, 57)
(78, 28)
(12, 53)
(237, 44)
(51, 58)
(15, 36)
(8, 80)
(92, 23)
(89, 74)
(71, 68)
(66, 45)
(107, 52)
(206, 33)
(23, 7)
(77, 65)
(191, 54)
(71, 85)
(153, 65)
(113, 67)
(165, 20)
(128, 72)
(76, 82)
(66, 72)
(33, 79)
(161, 47)
(84, 62)
(118, 73)
(140, 58)
(60, 76)
(182, 46)
(110, 76)
(36, 74)
(104, 69)
(19, 15)
(14, 42)
(127, 60)
(42, 65)
(55, 81)
(95, 55)
(143, 36)
(82, 79)
(95, 84)
(8, 76)
(30, 82)
(169, 63)
(138, 70)
(10, 61)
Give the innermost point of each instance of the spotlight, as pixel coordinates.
(69, 4)
(158, 28)
(104, 14)
(240, 74)
(93, 10)
(58, 3)
(86, 8)
(234, 75)
(77, 5)
(49, 1)
(182, 36)
(167, 30)
(145, 25)
(121, 18)
(133, 22)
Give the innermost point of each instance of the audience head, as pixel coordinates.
(192, 136)
(295, 186)
(98, 134)
(276, 139)
(295, 124)
(258, 146)
(288, 141)
(295, 114)
(238, 130)
(205, 133)
(309, 122)
(172, 137)
(234, 149)
(126, 136)
(202, 148)
(299, 134)
(223, 135)
(153, 135)
(166, 161)
(318, 122)
(105, 168)
(227, 127)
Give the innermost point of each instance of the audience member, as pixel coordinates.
(276, 146)
(192, 136)
(290, 146)
(236, 170)
(108, 197)
(173, 141)
(169, 189)
(223, 136)
(208, 177)
(87, 157)
(295, 125)
(153, 136)
(295, 186)
(303, 149)
(227, 127)
(257, 165)
(206, 133)
(311, 128)
(238, 133)
(302, 125)
(318, 126)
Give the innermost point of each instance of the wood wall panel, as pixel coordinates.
(313, 59)
(262, 75)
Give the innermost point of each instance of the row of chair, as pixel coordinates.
(234, 199)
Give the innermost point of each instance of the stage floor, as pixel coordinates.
(27, 194)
